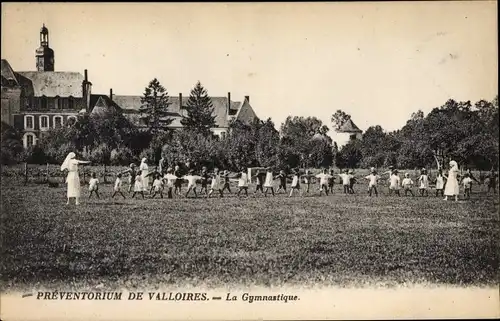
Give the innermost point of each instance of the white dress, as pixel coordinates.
(73, 179)
(424, 181)
(452, 188)
(439, 182)
(145, 180)
(395, 180)
(269, 180)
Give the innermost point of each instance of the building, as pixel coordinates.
(35, 101)
(347, 132)
(225, 110)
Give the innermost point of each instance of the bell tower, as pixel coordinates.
(44, 55)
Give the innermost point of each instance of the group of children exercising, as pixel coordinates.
(171, 181)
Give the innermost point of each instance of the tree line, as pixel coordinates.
(462, 131)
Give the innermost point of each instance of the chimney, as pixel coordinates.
(111, 94)
(247, 98)
(86, 75)
(228, 102)
(180, 103)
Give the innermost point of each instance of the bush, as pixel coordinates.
(121, 156)
(101, 155)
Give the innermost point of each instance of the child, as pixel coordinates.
(132, 174)
(118, 186)
(345, 181)
(439, 183)
(226, 182)
(215, 186)
(260, 181)
(269, 182)
(424, 183)
(492, 182)
(331, 181)
(372, 185)
(170, 180)
(323, 182)
(138, 188)
(204, 180)
(243, 182)
(94, 186)
(467, 183)
(352, 181)
(408, 184)
(178, 181)
(191, 178)
(395, 182)
(282, 177)
(157, 186)
(307, 180)
(295, 183)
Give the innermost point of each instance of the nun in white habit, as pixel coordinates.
(144, 174)
(451, 188)
(72, 180)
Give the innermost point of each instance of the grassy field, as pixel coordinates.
(336, 240)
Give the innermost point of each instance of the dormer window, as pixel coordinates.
(71, 102)
(44, 102)
(58, 102)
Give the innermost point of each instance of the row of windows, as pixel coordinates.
(44, 102)
(29, 121)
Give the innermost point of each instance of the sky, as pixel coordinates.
(377, 61)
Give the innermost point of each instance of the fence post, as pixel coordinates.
(26, 173)
(104, 174)
(47, 174)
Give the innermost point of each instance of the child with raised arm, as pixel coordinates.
(373, 180)
(94, 186)
(269, 181)
(440, 180)
(424, 183)
(345, 180)
(261, 176)
(178, 181)
(352, 181)
(118, 186)
(216, 184)
(132, 172)
(157, 186)
(138, 187)
(191, 178)
(323, 182)
(407, 184)
(395, 183)
(331, 181)
(282, 179)
(243, 182)
(295, 183)
(467, 184)
(227, 182)
(307, 180)
(169, 178)
(204, 180)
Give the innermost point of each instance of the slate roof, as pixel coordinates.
(349, 127)
(8, 76)
(51, 83)
(131, 104)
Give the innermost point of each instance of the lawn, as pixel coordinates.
(338, 240)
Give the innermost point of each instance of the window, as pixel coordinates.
(223, 135)
(58, 103)
(29, 122)
(44, 122)
(44, 102)
(352, 137)
(71, 103)
(65, 103)
(29, 140)
(58, 121)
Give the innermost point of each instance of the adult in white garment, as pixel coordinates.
(451, 188)
(144, 174)
(73, 179)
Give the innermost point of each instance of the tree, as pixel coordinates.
(12, 146)
(154, 109)
(339, 118)
(200, 111)
(350, 155)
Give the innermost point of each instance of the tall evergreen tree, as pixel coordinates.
(155, 103)
(200, 111)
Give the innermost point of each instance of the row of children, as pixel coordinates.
(219, 181)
